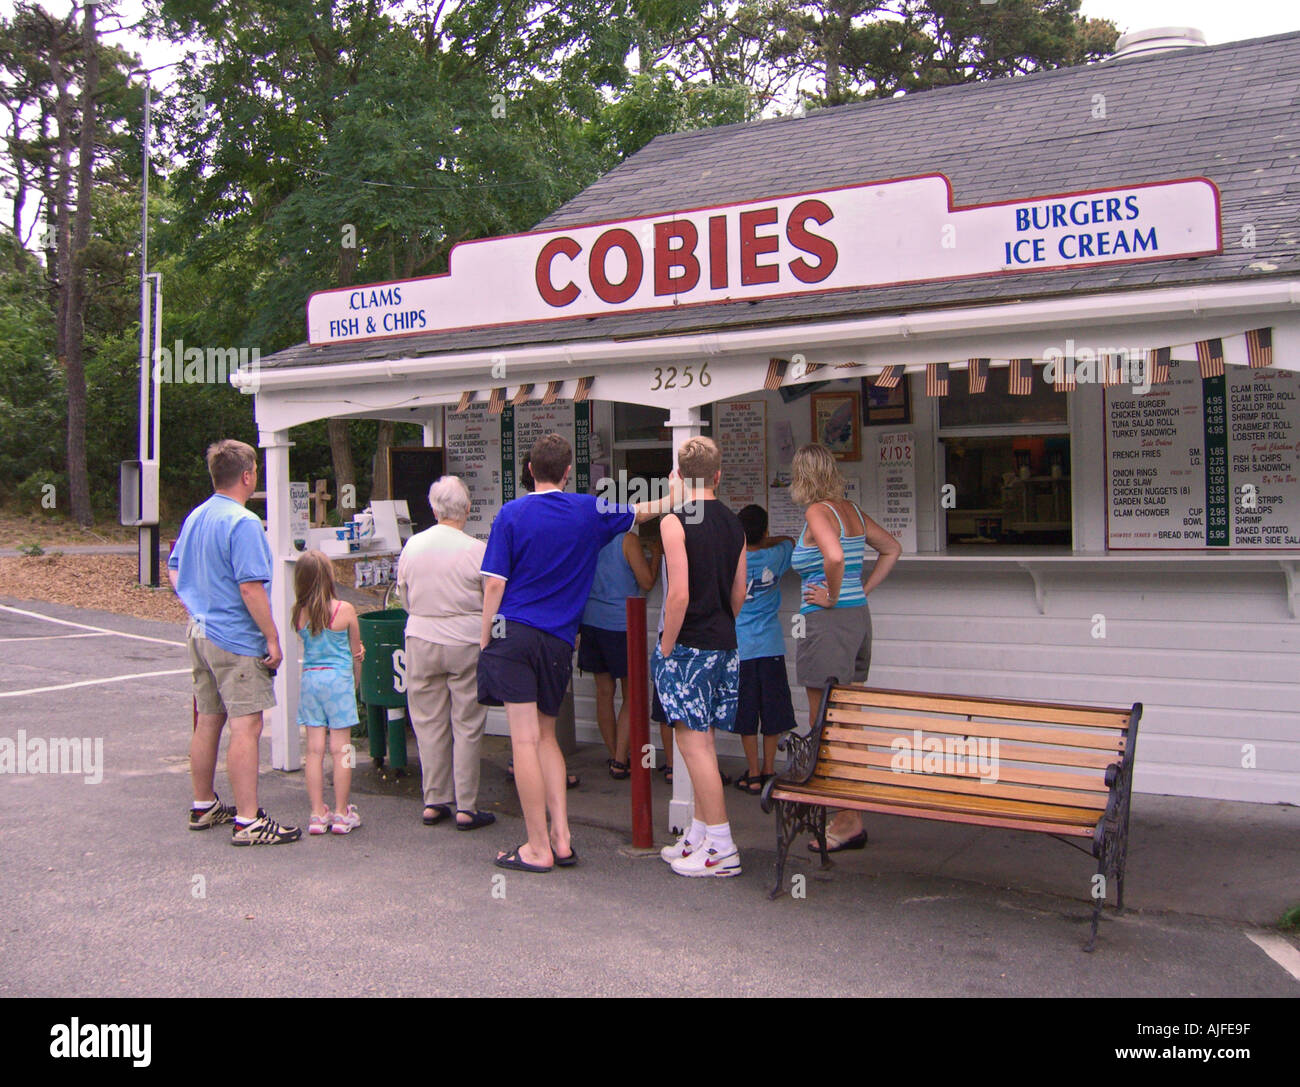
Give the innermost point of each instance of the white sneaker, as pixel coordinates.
(705, 860)
(346, 822)
(680, 848)
(320, 824)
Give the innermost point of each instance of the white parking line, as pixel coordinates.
(93, 682)
(1280, 950)
(87, 626)
(51, 637)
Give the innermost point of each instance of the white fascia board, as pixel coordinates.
(1009, 330)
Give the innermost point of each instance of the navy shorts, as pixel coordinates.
(527, 665)
(601, 650)
(764, 698)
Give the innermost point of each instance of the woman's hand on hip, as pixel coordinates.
(820, 595)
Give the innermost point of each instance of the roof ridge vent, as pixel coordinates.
(1160, 39)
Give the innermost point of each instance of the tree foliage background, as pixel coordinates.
(295, 127)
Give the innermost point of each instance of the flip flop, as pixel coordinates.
(477, 819)
(565, 862)
(516, 863)
(443, 811)
(619, 771)
(838, 845)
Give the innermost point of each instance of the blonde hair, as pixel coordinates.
(698, 461)
(313, 585)
(229, 459)
(814, 475)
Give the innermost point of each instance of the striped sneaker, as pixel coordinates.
(346, 822)
(263, 831)
(708, 861)
(217, 812)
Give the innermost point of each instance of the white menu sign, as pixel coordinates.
(895, 462)
(741, 428)
(534, 420)
(473, 443)
(1263, 468)
(1154, 461)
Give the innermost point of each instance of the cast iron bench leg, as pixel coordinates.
(786, 826)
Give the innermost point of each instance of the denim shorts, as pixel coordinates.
(698, 688)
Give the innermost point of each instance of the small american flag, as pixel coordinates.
(811, 367)
(1020, 378)
(977, 374)
(1158, 361)
(1259, 347)
(583, 390)
(845, 365)
(552, 391)
(1110, 369)
(889, 377)
(936, 379)
(775, 372)
(523, 394)
(465, 399)
(497, 401)
(1209, 353)
(1063, 379)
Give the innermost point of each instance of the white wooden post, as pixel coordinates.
(285, 750)
(686, 423)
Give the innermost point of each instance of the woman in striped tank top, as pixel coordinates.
(829, 559)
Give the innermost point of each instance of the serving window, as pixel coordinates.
(1007, 462)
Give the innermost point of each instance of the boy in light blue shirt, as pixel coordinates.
(764, 685)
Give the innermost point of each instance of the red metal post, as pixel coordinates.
(638, 692)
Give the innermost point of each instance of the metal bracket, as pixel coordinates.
(1040, 589)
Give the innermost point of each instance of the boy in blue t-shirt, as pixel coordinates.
(537, 574)
(764, 685)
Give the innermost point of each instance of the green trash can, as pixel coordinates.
(383, 684)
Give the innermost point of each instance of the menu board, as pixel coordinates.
(473, 446)
(1205, 462)
(1263, 432)
(895, 462)
(741, 428)
(1154, 448)
(532, 421)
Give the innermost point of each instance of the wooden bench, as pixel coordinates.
(1061, 770)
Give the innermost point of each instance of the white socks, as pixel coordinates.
(698, 832)
(720, 837)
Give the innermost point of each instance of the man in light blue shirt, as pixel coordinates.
(221, 570)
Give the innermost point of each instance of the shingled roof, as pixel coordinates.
(1229, 112)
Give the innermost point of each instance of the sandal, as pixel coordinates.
(667, 772)
(565, 862)
(750, 783)
(516, 863)
(838, 845)
(476, 819)
(442, 810)
(619, 771)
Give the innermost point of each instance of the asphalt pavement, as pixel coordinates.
(105, 892)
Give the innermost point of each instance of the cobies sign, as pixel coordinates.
(873, 235)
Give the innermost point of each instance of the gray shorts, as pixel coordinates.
(226, 682)
(836, 643)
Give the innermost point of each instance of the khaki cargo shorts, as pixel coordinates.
(226, 682)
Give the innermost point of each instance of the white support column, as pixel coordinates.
(686, 423)
(285, 751)
(433, 428)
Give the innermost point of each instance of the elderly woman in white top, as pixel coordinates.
(438, 577)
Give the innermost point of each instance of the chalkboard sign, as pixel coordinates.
(412, 470)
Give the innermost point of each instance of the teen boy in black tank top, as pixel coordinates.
(695, 665)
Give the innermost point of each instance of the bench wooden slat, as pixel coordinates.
(859, 756)
(1060, 737)
(984, 707)
(944, 816)
(1007, 752)
(835, 793)
(839, 771)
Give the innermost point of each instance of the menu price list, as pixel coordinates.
(1205, 462)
